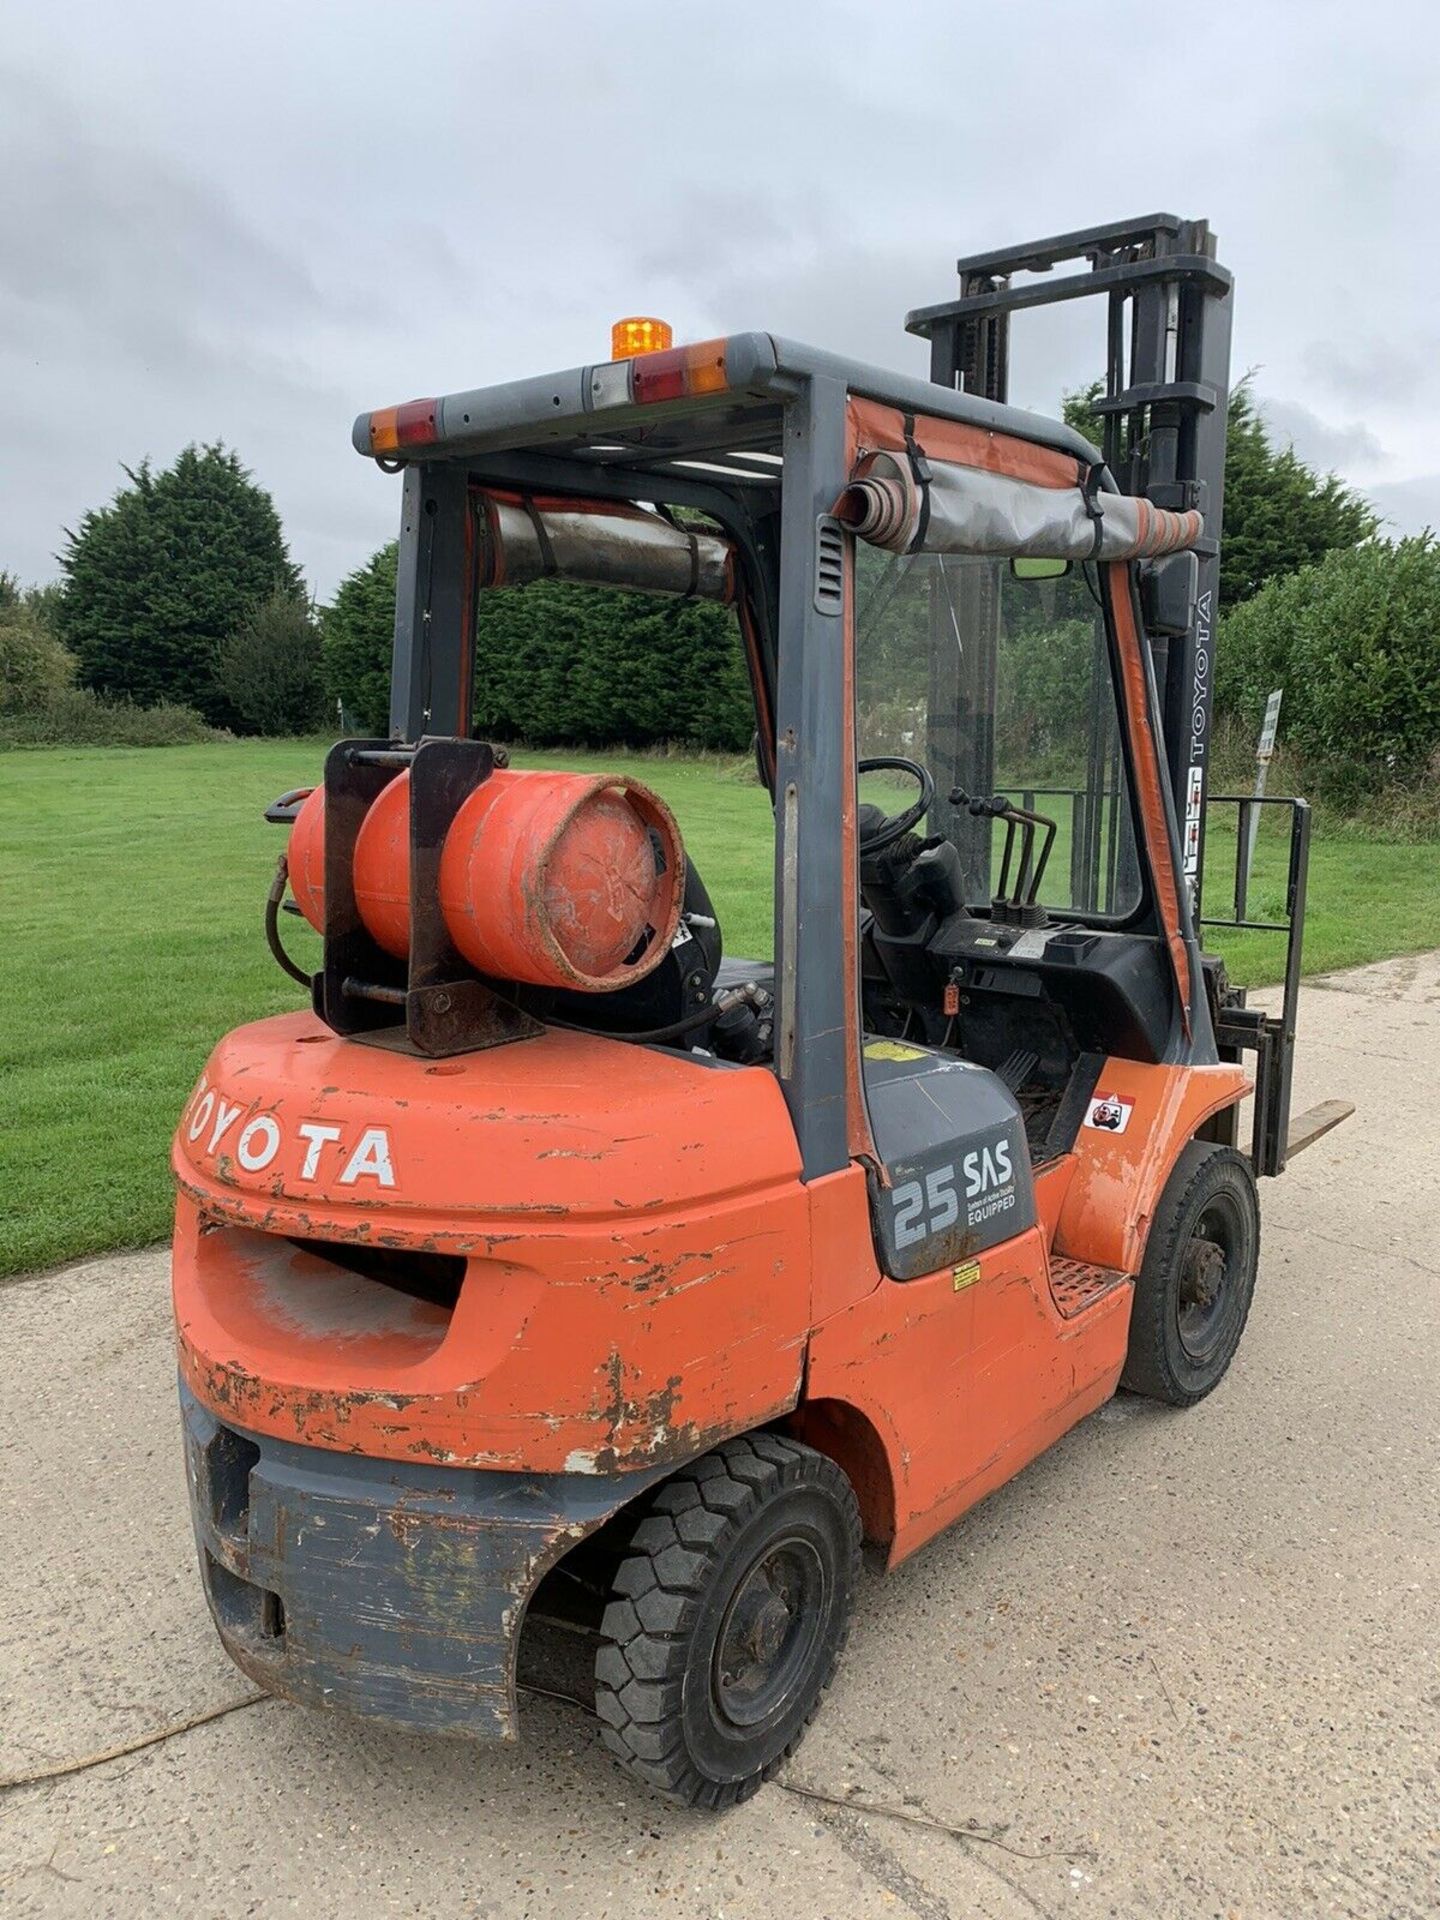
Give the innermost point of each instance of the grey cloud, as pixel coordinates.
(1368, 370)
(251, 226)
(1321, 443)
(101, 229)
(716, 228)
(808, 280)
(1408, 506)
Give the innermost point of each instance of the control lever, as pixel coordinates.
(1022, 909)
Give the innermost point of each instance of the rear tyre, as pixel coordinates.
(1193, 1295)
(727, 1617)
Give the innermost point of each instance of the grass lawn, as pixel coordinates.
(134, 881)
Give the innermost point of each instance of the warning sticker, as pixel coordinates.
(893, 1050)
(1110, 1112)
(1194, 806)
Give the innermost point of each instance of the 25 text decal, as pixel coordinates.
(989, 1188)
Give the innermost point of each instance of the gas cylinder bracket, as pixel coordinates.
(446, 1008)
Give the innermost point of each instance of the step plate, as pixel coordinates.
(1076, 1285)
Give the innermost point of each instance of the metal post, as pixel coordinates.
(817, 998)
(1263, 754)
(434, 662)
(1203, 364)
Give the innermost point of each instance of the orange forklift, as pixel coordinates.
(551, 1267)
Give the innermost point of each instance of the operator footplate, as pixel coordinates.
(1076, 1285)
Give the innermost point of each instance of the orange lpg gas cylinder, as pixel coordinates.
(548, 878)
(381, 869)
(553, 878)
(305, 858)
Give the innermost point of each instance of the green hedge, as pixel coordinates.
(560, 665)
(79, 717)
(1355, 644)
(356, 632)
(270, 669)
(33, 664)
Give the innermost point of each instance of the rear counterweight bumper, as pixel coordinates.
(393, 1591)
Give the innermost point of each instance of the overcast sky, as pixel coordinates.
(250, 223)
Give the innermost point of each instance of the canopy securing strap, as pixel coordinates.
(921, 474)
(542, 536)
(1091, 490)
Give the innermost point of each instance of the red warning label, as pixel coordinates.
(1110, 1112)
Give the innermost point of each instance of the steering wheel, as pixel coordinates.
(896, 825)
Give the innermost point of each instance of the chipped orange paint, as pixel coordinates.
(645, 1272)
(1111, 1199)
(965, 1385)
(621, 1214)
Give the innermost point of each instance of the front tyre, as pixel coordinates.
(1193, 1294)
(727, 1617)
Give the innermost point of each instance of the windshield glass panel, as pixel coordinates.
(998, 685)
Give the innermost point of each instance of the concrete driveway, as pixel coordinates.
(1185, 1665)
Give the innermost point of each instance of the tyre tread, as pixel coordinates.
(731, 1483)
(1147, 1369)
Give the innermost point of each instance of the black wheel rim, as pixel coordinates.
(769, 1632)
(1209, 1269)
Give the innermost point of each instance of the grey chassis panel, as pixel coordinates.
(952, 1140)
(403, 1586)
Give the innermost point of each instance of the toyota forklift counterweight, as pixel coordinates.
(553, 1264)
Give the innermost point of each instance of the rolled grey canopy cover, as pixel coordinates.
(524, 541)
(978, 512)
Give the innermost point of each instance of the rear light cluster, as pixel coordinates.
(678, 373)
(416, 424)
(632, 378)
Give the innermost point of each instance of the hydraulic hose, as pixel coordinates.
(700, 1017)
(272, 923)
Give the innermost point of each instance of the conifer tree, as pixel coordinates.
(159, 579)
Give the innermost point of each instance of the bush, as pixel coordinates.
(33, 663)
(79, 717)
(564, 665)
(1355, 643)
(560, 665)
(270, 669)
